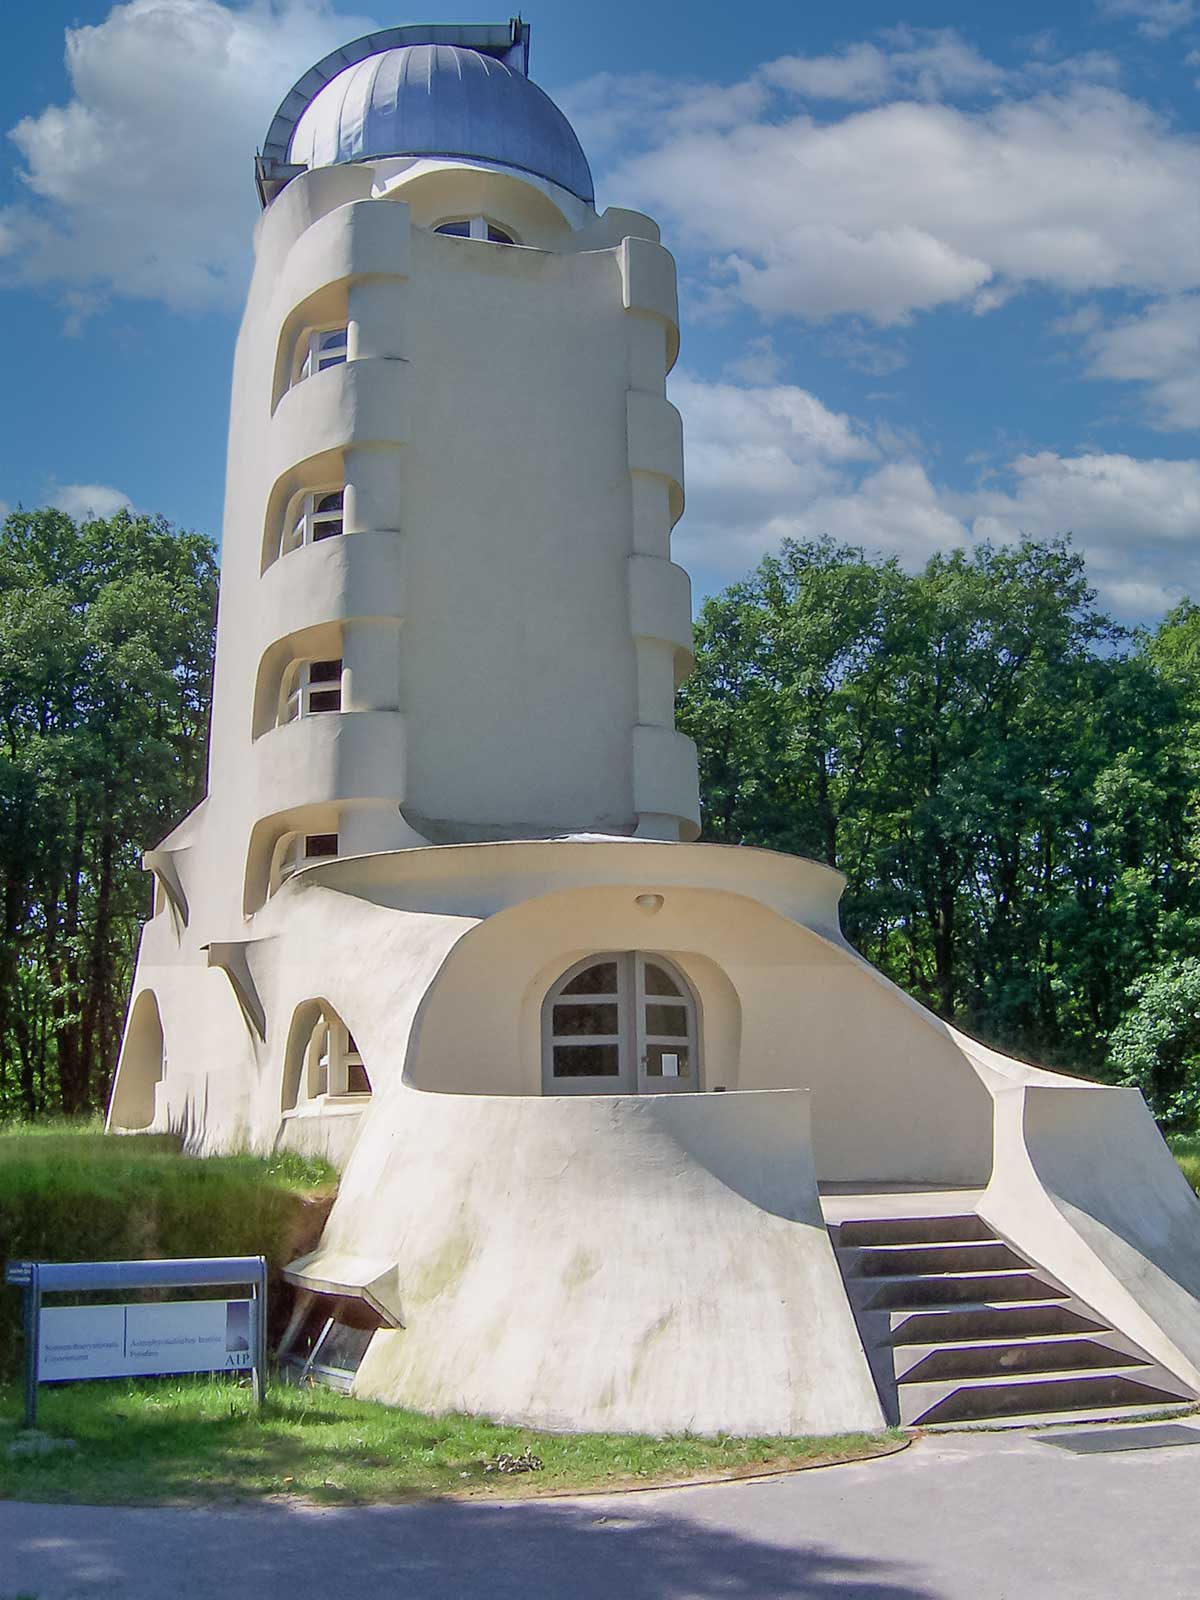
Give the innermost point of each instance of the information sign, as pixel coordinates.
(137, 1341)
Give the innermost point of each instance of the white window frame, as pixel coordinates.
(314, 355)
(297, 689)
(308, 522)
(478, 226)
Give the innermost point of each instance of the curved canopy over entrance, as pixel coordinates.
(620, 1023)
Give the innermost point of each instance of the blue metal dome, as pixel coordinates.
(440, 100)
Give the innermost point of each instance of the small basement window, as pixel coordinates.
(315, 517)
(319, 349)
(476, 228)
(330, 1341)
(310, 688)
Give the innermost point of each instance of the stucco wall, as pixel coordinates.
(606, 1263)
(780, 1007)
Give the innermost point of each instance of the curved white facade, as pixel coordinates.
(593, 1096)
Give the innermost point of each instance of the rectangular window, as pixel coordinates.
(587, 1020)
(320, 844)
(324, 688)
(586, 1061)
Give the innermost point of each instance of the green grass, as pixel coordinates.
(200, 1440)
(69, 1192)
(1185, 1147)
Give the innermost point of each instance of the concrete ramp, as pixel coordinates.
(650, 1264)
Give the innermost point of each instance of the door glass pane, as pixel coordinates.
(598, 979)
(669, 1020)
(660, 982)
(668, 1061)
(585, 1019)
(586, 1061)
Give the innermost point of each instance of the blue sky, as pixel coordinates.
(940, 266)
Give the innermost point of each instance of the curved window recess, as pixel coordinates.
(309, 689)
(142, 1066)
(313, 517)
(296, 850)
(324, 1065)
(319, 348)
(620, 1023)
(476, 228)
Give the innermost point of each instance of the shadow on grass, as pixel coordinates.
(442, 1550)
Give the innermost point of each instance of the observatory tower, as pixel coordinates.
(609, 1104)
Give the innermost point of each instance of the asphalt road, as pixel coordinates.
(955, 1517)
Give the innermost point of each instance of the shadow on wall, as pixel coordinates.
(445, 1550)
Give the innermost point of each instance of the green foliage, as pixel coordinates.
(82, 1195)
(1156, 1045)
(194, 1440)
(106, 631)
(1005, 777)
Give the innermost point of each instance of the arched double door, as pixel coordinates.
(623, 1022)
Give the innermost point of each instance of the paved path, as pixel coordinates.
(956, 1517)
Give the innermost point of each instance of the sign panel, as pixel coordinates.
(144, 1340)
(18, 1272)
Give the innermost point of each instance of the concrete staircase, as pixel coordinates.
(961, 1329)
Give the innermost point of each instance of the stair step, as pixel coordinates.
(1063, 1419)
(910, 1260)
(969, 1322)
(914, 1230)
(982, 1399)
(996, 1358)
(907, 1292)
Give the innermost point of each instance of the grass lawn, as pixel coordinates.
(199, 1440)
(69, 1192)
(1185, 1147)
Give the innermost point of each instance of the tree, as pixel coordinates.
(1156, 1045)
(106, 639)
(1004, 776)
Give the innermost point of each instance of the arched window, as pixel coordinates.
(311, 518)
(620, 1023)
(476, 228)
(324, 1064)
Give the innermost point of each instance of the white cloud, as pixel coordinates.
(925, 63)
(911, 205)
(142, 184)
(82, 500)
(611, 109)
(760, 363)
(1159, 347)
(1137, 520)
(1156, 19)
(770, 462)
